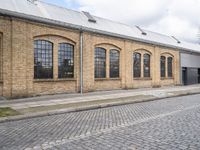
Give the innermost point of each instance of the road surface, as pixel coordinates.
(172, 123)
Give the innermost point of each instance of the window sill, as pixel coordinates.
(53, 80)
(106, 79)
(166, 78)
(145, 78)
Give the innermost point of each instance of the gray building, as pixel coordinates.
(190, 66)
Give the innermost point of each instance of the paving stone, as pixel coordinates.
(164, 124)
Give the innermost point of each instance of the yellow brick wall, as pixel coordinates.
(18, 60)
(6, 32)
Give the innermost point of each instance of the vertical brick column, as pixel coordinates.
(156, 67)
(6, 31)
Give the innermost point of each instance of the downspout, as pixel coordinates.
(81, 61)
(180, 67)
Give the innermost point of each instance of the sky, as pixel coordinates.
(180, 18)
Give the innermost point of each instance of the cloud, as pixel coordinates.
(172, 17)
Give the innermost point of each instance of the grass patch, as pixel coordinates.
(86, 103)
(4, 112)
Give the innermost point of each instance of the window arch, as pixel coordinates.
(169, 67)
(146, 68)
(114, 63)
(43, 59)
(162, 66)
(100, 62)
(136, 65)
(65, 60)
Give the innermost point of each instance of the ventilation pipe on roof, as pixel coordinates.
(176, 39)
(81, 61)
(142, 31)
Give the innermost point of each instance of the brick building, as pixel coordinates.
(46, 49)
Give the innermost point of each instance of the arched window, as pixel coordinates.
(162, 66)
(169, 66)
(43, 59)
(65, 60)
(114, 63)
(136, 65)
(100, 62)
(146, 65)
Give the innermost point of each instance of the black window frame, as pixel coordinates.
(114, 63)
(43, 59)
(147, 65)
(100, 63)
(170, 67)
(137, 65)
(163, 66)
(65, 60)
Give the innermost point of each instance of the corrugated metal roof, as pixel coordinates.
(42, 11)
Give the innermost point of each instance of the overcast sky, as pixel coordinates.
(180, 18)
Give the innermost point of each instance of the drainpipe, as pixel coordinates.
(81, 62)
(180, 68)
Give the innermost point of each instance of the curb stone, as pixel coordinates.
(90, 107)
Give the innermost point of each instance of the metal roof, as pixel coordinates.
(48, 13)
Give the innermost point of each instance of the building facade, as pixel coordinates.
(190, 65)
(40, 58)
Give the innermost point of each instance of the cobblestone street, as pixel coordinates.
(171, 123)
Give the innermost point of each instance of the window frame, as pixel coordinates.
(163, 68)
(147, 65)
(170, 73)
(114, 58)
(69, 47)
(44, 53)
(139, 67)
(101, 64)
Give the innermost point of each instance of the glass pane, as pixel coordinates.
(100, 63)
(65, 60)
(146, 65)
(162, 66)
(114, 64)
(43, 59)
(136, 65)
(169, 60)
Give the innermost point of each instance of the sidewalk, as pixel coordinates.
(62, 103)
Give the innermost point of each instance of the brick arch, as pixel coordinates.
(108, 44)
(142, 49)
(54, 35)
(167, 54)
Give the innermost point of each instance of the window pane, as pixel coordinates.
(146, 65)
(169, 60)
(114, 64)
(100, 63)
(162, 66)
(137, 65)
(43, 59)
(65, 60)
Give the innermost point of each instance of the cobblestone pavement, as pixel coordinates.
(172, 123)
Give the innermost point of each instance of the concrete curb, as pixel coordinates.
(90, 107)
